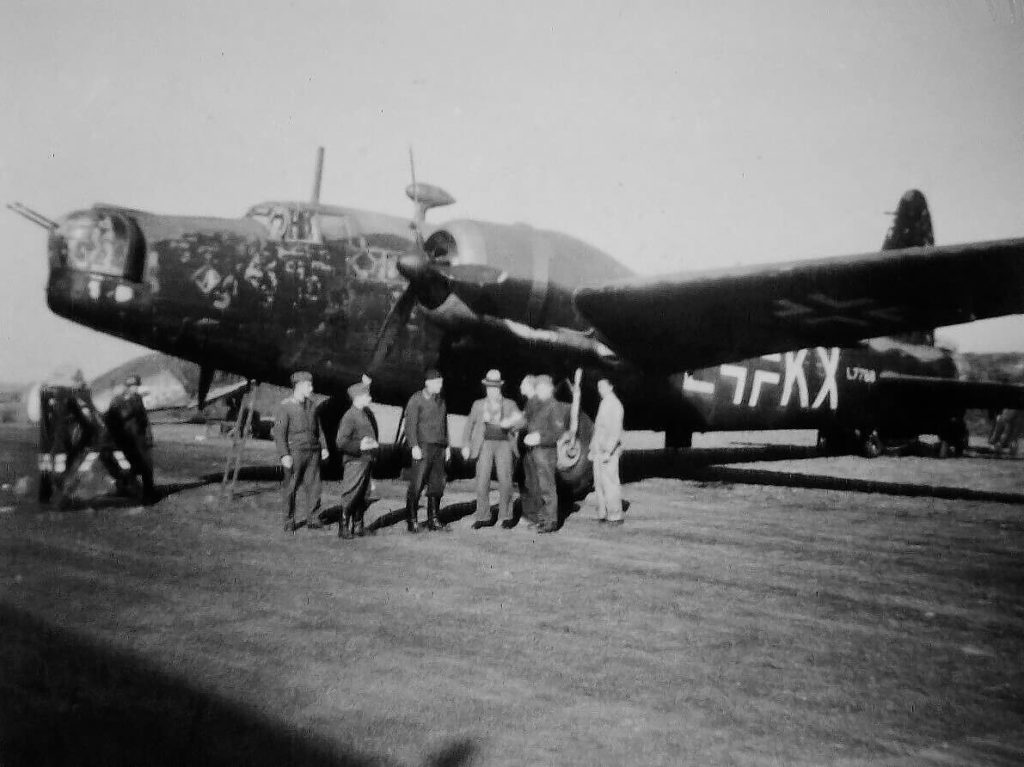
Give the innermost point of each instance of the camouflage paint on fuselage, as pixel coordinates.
(300, 285)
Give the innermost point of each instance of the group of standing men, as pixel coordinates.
(498, 435)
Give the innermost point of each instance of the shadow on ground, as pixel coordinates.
(68, 700)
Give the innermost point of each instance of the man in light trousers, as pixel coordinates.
(605, 450)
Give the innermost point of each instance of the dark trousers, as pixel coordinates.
(304, 476)
(427, 472)
(140, 456)
(494, 455)
(355, 484)
(544, 491)
(527, 478)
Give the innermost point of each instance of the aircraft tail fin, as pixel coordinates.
(911, 228)
(911, 223)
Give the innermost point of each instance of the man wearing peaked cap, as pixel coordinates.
(426, 428)
(300, 446)
(489, 438)
(357, 441)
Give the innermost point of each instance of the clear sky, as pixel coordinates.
(674, 135)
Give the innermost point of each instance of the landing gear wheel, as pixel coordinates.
(872, 445)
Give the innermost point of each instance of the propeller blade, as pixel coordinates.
(393, 324)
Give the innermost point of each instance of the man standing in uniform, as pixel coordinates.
(426, 428)
(605, 450)
(488, 438)
(301, 446)
(357, 440)
(524, 473)
(128, 421)
(547, 422)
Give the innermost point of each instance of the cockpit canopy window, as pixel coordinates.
(99, 242)
(285, 223)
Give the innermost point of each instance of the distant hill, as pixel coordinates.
(12, 406)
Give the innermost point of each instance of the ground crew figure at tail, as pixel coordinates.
(605, 450)
(547, 422)
(489, 438)
(301, 447)
(128, 422)
(426, 428)
(357, 441)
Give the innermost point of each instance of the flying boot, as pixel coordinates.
(345, 525)
(434, 514)
(410, 516)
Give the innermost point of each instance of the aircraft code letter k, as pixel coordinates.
(830, 364)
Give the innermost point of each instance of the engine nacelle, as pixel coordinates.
(518, 272)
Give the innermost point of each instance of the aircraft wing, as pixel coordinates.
(946, 393)
(690, 321)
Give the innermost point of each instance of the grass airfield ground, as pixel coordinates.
(723, 624)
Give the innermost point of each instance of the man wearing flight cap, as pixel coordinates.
(129, 423)
(548, 420)
(357, 441)
(300, 446)
(490, 440)
(426, 428)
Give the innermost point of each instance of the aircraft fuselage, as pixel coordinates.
(298, 285)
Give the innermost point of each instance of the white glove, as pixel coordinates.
(286, 461)
(417, 453)
(325, 454)
(532, 439)
(465, 453)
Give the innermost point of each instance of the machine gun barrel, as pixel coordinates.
(34, 216)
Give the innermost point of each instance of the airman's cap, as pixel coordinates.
(358, 389)
(301, 375)
(133, 380)
(544, 378)
(432, 375)
(493, 378)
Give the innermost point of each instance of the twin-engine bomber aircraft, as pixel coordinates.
(842, 345)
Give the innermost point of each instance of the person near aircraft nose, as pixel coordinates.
(129, 423)
(547, 422)
(605, 450)
(426, 428)
(489, 438)
(300, 446)
(357, 440)
(524, 469)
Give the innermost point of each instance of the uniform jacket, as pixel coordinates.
(473, 434)
(356, 424)
(607, 427)
(426, 420)
(297, 428)
(550, 419)
(128, 415)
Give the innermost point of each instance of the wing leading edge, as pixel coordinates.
(690, 321)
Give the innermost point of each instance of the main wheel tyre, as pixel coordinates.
(575, 472)
(872, 445)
